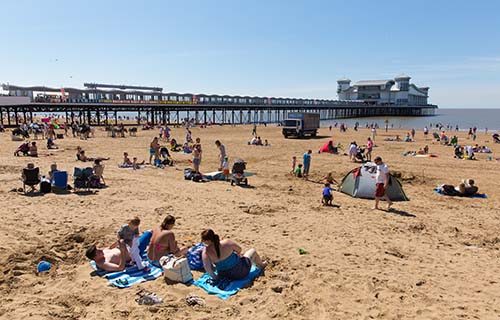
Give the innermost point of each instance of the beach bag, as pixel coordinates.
(45, 186)
(197, 177)
(188, 174)
(176, 269)
(194, 256)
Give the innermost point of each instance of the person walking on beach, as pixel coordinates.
(426, 132)
(374, 133)
(307, 162)
(382, 182)
(254, 130)
(413, 134)
(222, 153)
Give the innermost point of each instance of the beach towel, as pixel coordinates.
(128, 277)
(426, 156)
(225, 288)
(477, 195)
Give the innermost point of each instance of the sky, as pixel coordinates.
(265, 48)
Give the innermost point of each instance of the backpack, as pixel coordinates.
(188, 174)
(197, 177)
(45, 186)
(176, 269)
(194, 256)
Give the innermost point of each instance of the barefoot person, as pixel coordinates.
(226, 256)
(382, 181)
(154, 149)
(109, 259)
(163, 241)
(222, 153)
(115, 259)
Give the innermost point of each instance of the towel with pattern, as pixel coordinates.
(128, 277)
(225, 288)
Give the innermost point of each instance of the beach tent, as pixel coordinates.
(360, 183)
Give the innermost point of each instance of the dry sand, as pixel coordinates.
(436, 257)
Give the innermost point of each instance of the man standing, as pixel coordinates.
(222, 153)
(254, 130)
(382, 182)
(307, 162)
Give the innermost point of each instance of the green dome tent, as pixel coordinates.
(360, 183)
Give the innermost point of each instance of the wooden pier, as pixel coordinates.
(158, 113)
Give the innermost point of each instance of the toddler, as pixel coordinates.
(129, 232)
(327, 195)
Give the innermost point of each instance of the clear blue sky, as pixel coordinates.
(267, 48)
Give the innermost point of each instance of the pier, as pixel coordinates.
(97, 106)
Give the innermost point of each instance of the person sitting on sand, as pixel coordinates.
(426, 149)
(226, 256)
(163, 241)
(329, 178)
(33, 150)
(174, 146)
(466, 188)
(51, 144)
(253, 141)
(298, 171)
(136, 165)
(407, 138)
(258, 142)
(454, 141)
(126, 160)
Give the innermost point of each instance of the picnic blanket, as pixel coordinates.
(225, 288)
(477, 195)
(128, 277)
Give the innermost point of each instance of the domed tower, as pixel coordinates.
(343, 86)
(403, 82)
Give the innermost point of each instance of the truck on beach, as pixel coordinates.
(300, 124)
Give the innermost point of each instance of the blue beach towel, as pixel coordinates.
(477, 195)
(129, 276)
(224, 288)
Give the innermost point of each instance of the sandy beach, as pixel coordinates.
(434, 257)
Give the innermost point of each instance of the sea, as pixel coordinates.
(465, 118)
(482, 119)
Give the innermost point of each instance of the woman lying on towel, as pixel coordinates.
(226, 256)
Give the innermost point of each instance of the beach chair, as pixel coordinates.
(31, 178)
(59, 181)
(82, 178)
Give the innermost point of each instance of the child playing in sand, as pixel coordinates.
(294, 164)
(129, 232)
(298, 171)
(327, 195)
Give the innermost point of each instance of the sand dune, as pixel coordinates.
(435, 257)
